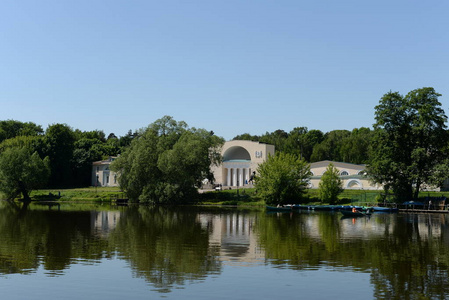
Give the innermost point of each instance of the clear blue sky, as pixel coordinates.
(227, 66)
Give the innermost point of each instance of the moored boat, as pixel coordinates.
(384, 209)
(278, 209)
(348, 213)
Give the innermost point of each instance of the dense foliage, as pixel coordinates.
(70, 152)
(330, 185)
(410, 141)
(21, 171)
(167, 162)
(282, 178)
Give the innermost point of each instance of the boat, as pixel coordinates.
(348, 213)
(384, 209)
(303, 207)
(278, 209)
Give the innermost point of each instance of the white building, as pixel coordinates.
(240, 161)
(352, 175)
(102, 175)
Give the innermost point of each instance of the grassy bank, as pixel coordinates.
(244, 197)
(91, 194)
(250, 197)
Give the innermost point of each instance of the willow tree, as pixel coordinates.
(22, 171)
(409, 141)
(167, 162)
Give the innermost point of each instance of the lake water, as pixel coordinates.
(140, 252)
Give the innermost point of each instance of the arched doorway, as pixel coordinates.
(236, 166)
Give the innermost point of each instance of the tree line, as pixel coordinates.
(406, 150)
(314, 145)
(57, 157)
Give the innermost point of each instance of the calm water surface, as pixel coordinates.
(106, 252)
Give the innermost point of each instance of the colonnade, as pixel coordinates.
(237, 176)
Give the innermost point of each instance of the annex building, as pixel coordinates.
(102, 175)
(240, 161)
(352, 175)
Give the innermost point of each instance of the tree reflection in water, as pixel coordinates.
(166, 246)
(407, 256)
(402, 262)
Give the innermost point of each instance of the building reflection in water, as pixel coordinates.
(233, 235)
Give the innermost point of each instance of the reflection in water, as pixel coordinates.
(231, 233)
(167, 247)
(405, 255)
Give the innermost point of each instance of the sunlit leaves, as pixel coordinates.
(282, 178)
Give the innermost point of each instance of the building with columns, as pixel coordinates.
(102, 175)
(240, 161)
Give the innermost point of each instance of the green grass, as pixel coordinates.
(240, 197)
(79, 194)
(250, 198)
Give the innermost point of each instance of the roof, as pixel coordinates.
(104, 162)
(325, 163)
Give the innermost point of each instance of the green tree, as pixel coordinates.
(282, 178)
(247, 137)
(301, 141)
(331, 147)
(409, 141)
(21, 171)
(125, 140)
(12, 128)
(330, 185)
(60, 140)
(276, 138)
(167, 162)
(355, 148)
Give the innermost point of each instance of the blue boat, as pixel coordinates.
(384, 209)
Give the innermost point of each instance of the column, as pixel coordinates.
(228, 177)
(234, 177)
(241, 182)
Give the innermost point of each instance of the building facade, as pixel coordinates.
(352, 175)
(240, 162)
(102, 175)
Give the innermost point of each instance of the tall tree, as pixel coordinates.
(59, 140)
(167, 162)
(282, 178)
(409, 141)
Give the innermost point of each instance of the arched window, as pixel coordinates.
(354, 184)
(344, 173)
